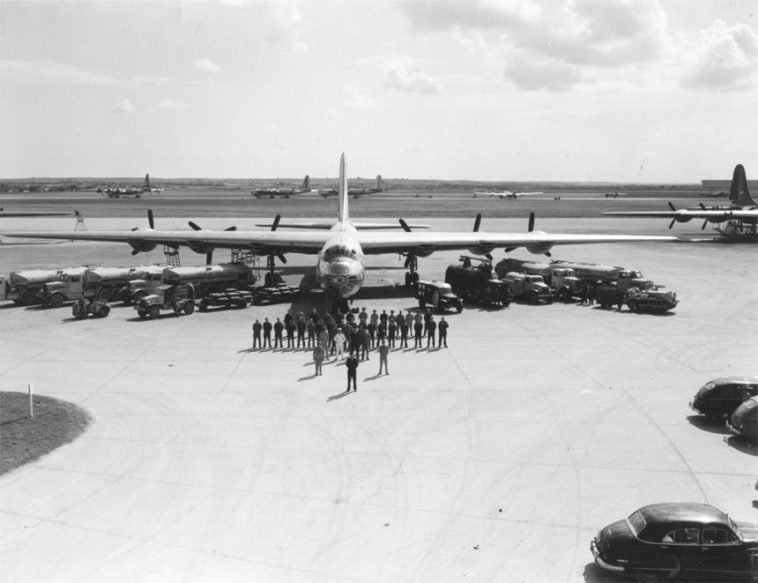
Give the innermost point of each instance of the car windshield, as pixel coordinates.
(637, 522)
(735, 527)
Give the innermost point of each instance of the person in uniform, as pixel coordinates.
(418, 329)
(266, 333)
(375, 318)
(318, 357)
(323, 340)
(381, 331)
(339, 344)
(363, 316)
(300, 332)
(371, 331)
(391, 332)
(291, 333)
(442, 328)
(383, 352)
(310, 328)
(427, 317)
(352, 371)
(404, 333)
(431, 330)
(257, 334)
(364, 342)
(278, 327)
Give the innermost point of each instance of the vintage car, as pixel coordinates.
(439, 295)
(744, 420)
(717, 399)
(660, 541)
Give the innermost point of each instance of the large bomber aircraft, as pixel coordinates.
(285, 192)
(503, 194)
(355, 192)
(740, 218)
(341, 247)
(134, 191)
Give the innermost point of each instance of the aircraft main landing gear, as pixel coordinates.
(411, 276)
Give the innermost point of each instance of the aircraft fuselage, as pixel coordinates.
(340, 270)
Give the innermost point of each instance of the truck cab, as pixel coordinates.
(439, 295)
(179, 298)
(529, 288)
(565, 284)
(68, 288)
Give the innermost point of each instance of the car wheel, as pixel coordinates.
(667, 568)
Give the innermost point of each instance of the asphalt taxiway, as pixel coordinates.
(496, 459)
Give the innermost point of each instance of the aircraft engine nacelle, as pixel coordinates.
(482, 249)
(423, 250)
(682, 219)
(539, 248)
(199, 247)
(142, 246)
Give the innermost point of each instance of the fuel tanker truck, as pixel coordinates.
(25, 287)
(207, 279)
(478, 283)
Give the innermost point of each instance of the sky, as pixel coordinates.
(498, 90)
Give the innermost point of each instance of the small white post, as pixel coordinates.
(31, 402)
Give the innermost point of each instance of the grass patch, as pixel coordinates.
(24, 439)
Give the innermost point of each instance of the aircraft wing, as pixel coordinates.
(372, 242)
(422, 244)
(685, 215)
(259, 242)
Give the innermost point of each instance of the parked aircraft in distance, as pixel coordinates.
(285, 192)
(341, 246)
(721, 194)
(4, 213)
(740, 219)
(503, 194)
(356, 192)
(134, 191)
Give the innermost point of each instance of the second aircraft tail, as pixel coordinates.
(739, 194)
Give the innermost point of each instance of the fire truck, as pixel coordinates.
(478, 283)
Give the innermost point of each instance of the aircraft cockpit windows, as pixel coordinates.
(337, 251)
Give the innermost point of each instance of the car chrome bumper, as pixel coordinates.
(600, 562)
(732, 428)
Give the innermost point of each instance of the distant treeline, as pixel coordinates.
(33, 185)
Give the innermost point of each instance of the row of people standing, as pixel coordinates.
(361, 331)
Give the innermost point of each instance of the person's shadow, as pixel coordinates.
(340, 396)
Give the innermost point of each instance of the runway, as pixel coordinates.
(496, 459)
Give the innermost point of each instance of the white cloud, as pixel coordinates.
(207, 64)
(357, 99)
(171, 104)
(725, 58)
(124, 107)
(403, 76)
(47, 71)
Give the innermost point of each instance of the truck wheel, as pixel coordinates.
(202, 307)
(154, 312)
(189, 307)
(632, 305)
(28, 299)
(103, 312)
(138, 296)
(56, 301)
(459, 307)
(142, 314)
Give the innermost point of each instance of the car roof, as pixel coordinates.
(735, 380)
(682, 512)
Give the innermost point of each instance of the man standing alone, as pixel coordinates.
(352, 371)
(383, 352)
(318, 357)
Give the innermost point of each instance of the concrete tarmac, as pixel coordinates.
(496, 459)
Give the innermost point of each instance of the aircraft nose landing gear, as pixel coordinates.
(411, 276)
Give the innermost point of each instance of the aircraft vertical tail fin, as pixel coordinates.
(307, 182)
(739, 194)
(146, 184)
(342, 213)
(379, 183)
